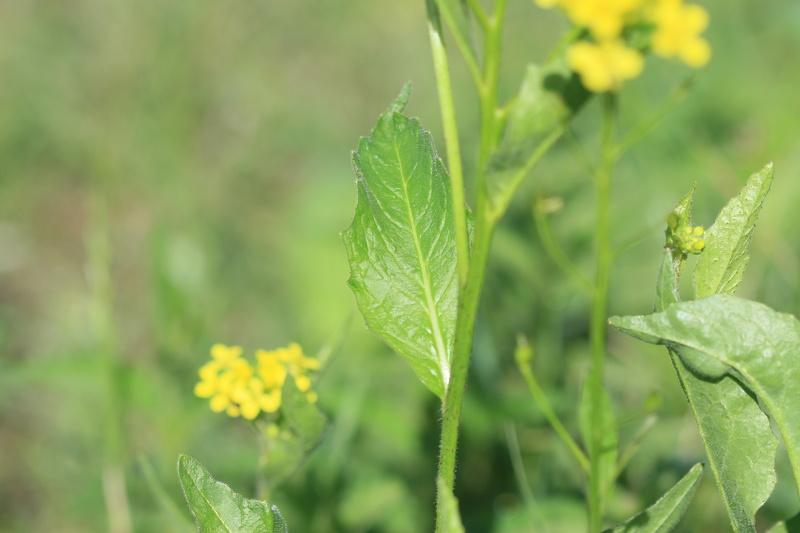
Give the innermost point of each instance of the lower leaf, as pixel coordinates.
(665, 514)
(218, 509)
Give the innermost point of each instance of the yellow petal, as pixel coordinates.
(205, 389)
(219, 403)
(250, 410)
(302, 382)
(271, 401)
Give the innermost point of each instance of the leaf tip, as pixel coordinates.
(399, 103)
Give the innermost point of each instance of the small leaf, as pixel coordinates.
(402, 249)
(450, 516)
(218, 509)
(757, 345)
(665, 514)
(722, 263)
(548, 98)
(606, 426)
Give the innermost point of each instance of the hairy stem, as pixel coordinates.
(465, 326)
(599, 309)
(452, 145)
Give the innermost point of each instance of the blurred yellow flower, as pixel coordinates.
(547, 3)
(678, 29)
(605, 65)
(604, 18)
(236, 387)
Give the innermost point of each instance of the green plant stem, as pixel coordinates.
(480, 13)
(599, 308)
(465, 327)
(102, 319)
(469, 295)
(264, 448)
(641, 130)
(557, 254)
(487, 89)
(435, 9)
(452, 146)
(547, 410)
(522, 479)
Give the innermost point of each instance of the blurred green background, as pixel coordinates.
(175, 173)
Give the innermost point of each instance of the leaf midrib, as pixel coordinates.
(444, 364)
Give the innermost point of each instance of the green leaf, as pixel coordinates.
(402, 249)
(722, 263)
(450, 517)
(757, 345)
(790, 526)
(304, 428)
(606, 426)
(218, 509)
(744, 469)
(665, 514)
(548, 98)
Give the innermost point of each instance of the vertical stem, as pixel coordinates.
(488, 88)
(470, 292)
(599, 308)
(452, 145)
(102, 319)
(465, 326)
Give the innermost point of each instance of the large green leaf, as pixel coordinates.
(721, 265)
(665, 514)
(218, 509)
(548, 98)
(744, 468)
(756, 344)
(401, 246)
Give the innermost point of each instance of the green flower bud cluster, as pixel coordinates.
(684, 237)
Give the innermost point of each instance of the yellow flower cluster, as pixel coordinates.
(685, 238)
(605, 62)
(240, 389)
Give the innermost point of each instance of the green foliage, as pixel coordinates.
(743, 468)
(757, 345)
(401, 246)
(218, 509)
(548, 99)
(790, 526)
(303, 430)
(721, 266)
(664, 515)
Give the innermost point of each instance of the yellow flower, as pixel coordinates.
(605, 65)
(236, 387)
(678, 29)
(604, 18)
(271, 401)
(547, 4)
(270, 369)
(224, 354)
